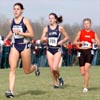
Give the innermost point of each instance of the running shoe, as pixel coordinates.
(9, 94)
(61, 81)
(85, 90)
(56, 87)
(37, 72)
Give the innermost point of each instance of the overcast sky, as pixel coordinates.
(73, 11)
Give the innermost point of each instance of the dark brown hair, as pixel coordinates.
(87, 19)
(19, 4)
(59, 19)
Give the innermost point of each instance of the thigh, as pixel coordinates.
(26, 59)
(13, 57)
(56, 60)
(50, 59)
(87, 66)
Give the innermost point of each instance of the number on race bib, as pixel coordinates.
(16, 36)
(53, 41)
(19, 28)
(86, 44)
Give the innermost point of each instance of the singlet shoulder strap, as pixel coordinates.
(48, 27)
(22, 20)
(12, 21)
(57, 27)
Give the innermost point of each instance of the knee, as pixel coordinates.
(26, 71)
(86, 70)
(12, 69)
(83, 73)
(54, 69)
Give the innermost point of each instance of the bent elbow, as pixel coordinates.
(41, 39)
(66, 38)
(32, 35)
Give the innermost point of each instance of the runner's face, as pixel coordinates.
(87, 25)
(52, 19)
(17, 11)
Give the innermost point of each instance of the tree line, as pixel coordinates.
(41, 23)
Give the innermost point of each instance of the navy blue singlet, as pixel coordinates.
(20, 27)
(19, 42)
(54, 36)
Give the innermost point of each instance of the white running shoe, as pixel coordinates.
(85, 90)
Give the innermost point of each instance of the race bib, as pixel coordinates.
(53, 41)
(16, 36)
(19, 28)
(86, 45)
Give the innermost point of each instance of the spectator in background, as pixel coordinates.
(35, 52)
(1, 49)
(65, 55)
(95, 48)
(6, 51)
(39, 53)
(74, 55)
(69, 46)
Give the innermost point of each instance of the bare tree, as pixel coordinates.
(4, 25)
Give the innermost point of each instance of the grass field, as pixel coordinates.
(30, 87)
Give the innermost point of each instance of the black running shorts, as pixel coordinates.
(85, 56)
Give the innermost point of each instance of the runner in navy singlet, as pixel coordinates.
(21, 33)
(52, 35)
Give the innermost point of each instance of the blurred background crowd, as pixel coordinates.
(69, 54)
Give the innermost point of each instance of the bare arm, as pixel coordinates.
(76, 40)
(43, 37)
(97, 39)
(66, 37)
(29, 32)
